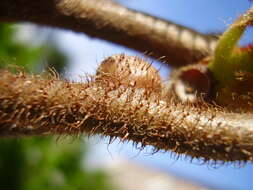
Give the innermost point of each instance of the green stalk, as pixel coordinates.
(243, 60)
(221, 66)
(225, 61)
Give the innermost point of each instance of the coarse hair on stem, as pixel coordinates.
(47, 105)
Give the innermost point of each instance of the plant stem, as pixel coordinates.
(226, 60)
(35, 105)
(110, 21)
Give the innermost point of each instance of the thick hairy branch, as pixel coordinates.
(35, 105)
(110, 21)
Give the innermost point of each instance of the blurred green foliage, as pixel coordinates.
(11, 50)
(41, 163)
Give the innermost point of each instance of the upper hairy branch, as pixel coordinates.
(108, 20)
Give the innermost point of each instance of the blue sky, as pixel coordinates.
(202, 15)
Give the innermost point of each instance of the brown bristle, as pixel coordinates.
(33, 105)
(131, 70)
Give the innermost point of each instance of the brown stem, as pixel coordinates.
(110, 21)
(35, 105)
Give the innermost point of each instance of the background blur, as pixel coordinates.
(40, 163)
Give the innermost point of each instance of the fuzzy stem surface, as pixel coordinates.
(110, 21)
(36, 105)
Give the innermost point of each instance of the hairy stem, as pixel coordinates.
(110, 21)
(36, 105)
